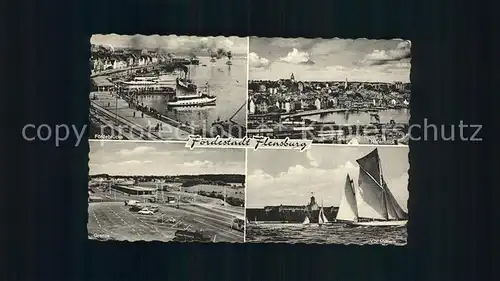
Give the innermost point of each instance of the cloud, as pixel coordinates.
(312, 160)
(256, 61)
(140, 150)
(134, 162)
(323, 171)
(295, 186)
(334, 59)
(174, 43)
(131, 158)
(379, 57)
(198, 163)
(297, 57)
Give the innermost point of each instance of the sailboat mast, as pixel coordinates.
(381, 181)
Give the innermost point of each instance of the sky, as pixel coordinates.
(174, 44)
(288, 177)
(161, 159)
(330, 59)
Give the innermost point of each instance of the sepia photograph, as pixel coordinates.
(341, 91)
(155, 191)
(167, 87)
(328, 194)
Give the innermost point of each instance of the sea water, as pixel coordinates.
(226, 82)
(325, 234)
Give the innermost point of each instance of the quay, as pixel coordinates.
(312, 112)
(119, 110)
(113, 71)
(291, 115)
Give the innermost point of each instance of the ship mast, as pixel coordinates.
(237, 111)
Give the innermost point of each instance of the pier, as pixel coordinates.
(312, 112)
(114, 111)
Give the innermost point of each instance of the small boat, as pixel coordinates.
(372, 203)
(321, 217)
(195, 61)
(306, 221)
(186, 84)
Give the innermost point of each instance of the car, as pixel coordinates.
(238, 224)
(145, 212)
(131, 203)
(164, 219)
(154, 209)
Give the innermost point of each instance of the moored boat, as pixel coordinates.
(184, 99)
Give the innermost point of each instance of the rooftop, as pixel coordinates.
(136, 188)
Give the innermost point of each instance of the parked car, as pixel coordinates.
(145, 212)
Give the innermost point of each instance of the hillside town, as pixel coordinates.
(107, 58)
(289, 95)
(291, 102)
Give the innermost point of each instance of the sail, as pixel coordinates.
(323, 217)
(306, 221)
(370, 194)
(395, 211)
(320, 216)
(348, 210)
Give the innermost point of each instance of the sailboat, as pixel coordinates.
(321, 217)
(306, 221)
(372, 203)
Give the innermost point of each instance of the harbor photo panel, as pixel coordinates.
(340, 91)
(161, 191)
(328, 195)
(167, 87)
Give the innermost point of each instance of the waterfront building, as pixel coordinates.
(251, 107)
(261, 107)
(142, 61)
(287, 107)
(317, 103)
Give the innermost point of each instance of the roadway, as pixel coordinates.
(113, 219)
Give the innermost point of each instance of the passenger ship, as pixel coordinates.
(188, 98)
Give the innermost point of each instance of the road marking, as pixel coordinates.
(146, 223)
(220, 230)
(105, 229)
(203, 216)
(126, 223)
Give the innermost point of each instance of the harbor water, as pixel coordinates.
(226, 82)
(336, 233)
(398, 115)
